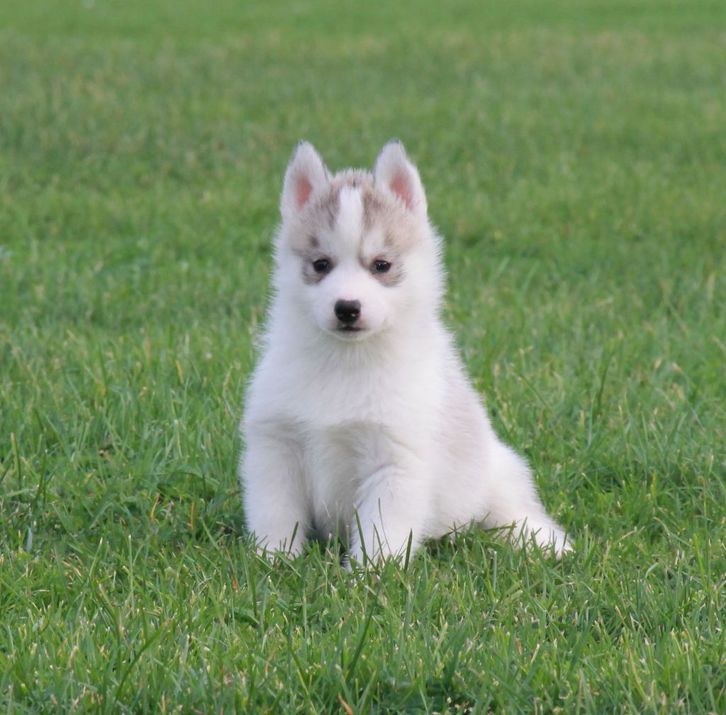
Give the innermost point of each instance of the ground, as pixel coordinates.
(575, 160)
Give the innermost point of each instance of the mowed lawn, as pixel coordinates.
(574, 155)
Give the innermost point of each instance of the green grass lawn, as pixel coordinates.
(574, 155)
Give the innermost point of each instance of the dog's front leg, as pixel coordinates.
(274, 497)
(391, 510)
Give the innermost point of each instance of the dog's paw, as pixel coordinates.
(553, 541)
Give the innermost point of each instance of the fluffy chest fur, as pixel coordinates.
(329, 385)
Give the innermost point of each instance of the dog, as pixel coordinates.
(360, 422)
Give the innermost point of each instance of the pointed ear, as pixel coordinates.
(396, 174)
(306, 174)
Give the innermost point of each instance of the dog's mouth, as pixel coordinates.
(349, 333)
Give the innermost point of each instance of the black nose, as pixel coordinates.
(347, 311)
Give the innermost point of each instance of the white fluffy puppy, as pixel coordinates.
(360, 422)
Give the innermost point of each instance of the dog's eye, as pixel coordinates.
(322, 265)
(381, 266)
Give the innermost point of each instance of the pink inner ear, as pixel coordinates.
(303, 189)
(401, 186)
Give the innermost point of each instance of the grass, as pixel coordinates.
(575, 159)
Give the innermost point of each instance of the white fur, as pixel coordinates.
(377, 436)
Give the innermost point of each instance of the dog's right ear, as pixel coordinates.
(395, 173)
(306, 174)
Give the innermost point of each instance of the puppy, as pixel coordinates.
(360, 421)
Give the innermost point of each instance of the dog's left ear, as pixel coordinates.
(395, 173)
(305, 175)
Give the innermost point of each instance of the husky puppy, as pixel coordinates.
(360, 421)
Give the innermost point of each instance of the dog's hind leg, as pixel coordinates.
(512, 501)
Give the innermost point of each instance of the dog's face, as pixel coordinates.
(355, 249)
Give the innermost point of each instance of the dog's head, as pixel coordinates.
(356, 250)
